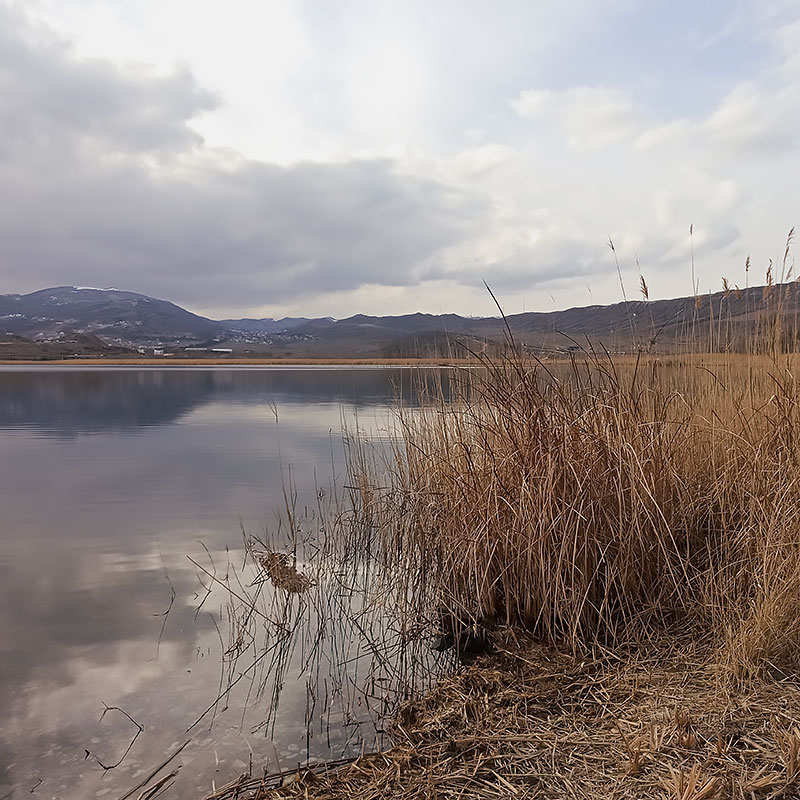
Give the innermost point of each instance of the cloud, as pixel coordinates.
(130, 196)
(588, 116)
(51, 100)
(641, 173)
(752, 121)
(252, 233)
(404, 152)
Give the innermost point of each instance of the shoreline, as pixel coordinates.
(241, 362)
(667, 359)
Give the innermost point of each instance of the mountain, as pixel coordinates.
(723, 320)
(264, 325)
(118, 317)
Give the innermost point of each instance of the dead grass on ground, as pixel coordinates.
(533, 722)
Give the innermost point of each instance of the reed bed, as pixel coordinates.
(624, 533)
(598, 503)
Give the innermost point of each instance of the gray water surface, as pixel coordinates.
(109, 479)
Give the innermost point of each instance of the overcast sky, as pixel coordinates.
(331, 157)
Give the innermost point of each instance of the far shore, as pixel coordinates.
(240, 362)
(666, 358)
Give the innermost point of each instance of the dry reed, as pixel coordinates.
(638, 519)
(601, 502)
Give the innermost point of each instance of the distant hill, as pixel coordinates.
(440, 344)
(118, 317)
(264, 325)
(725, 320)
(70, 345)
(127, 319)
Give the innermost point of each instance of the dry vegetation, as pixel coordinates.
(640, 522)
(630, 531)
(603, 503)
(533, 723)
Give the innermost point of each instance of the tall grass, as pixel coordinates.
(600, 502)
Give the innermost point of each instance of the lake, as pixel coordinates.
(111, 479)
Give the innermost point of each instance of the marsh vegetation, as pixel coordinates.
(623, 529)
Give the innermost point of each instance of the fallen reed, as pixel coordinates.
(531, 722)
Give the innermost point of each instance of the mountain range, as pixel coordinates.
(123, 319)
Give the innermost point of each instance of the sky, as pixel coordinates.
(332, 157)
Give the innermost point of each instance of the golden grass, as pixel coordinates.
(632, 529)
(282, 573)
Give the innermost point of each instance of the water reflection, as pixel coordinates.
(94, 536)
(71, 401)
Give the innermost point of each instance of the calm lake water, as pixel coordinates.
(110, 478)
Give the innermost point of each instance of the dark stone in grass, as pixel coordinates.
(469, 638)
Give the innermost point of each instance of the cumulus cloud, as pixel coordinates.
(644, 173)
(754, 122)
(251, 233)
